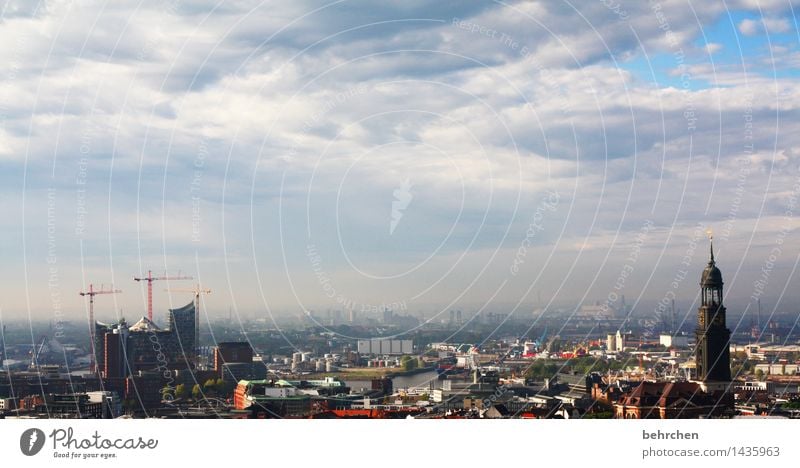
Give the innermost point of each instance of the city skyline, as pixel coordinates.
(468, 155)
(580, 368)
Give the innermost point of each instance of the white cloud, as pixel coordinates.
(751, 27)
(360, 99)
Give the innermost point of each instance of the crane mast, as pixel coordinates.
(91, 292)
(150, 278)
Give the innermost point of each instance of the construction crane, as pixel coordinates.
(36, 353)
(197, 290)
(91, 293)
(150, 278)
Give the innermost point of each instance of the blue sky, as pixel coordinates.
(432, 154)
(736, 40)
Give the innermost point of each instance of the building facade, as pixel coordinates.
(124, 350)
(385, 347)
(668, 400)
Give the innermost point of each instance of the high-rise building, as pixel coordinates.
(124, 350)
(114, 364)
(712, 354)
(181, 324)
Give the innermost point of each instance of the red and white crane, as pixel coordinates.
(150, 278)
(197, 290)
(91, 293)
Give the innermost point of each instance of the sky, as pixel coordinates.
(295, 156)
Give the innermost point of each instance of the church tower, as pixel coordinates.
(713, 337)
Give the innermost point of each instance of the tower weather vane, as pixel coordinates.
(710, 234)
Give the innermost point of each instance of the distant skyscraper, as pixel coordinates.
(713, 337)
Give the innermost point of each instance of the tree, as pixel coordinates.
(585, 365)
(167, 393)
(541, 369)
(210, 386)
(196, 392)
(408, 363)
(759, 374)
(224, 388)
(180, 391)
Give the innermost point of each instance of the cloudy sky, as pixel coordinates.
(430, 155)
